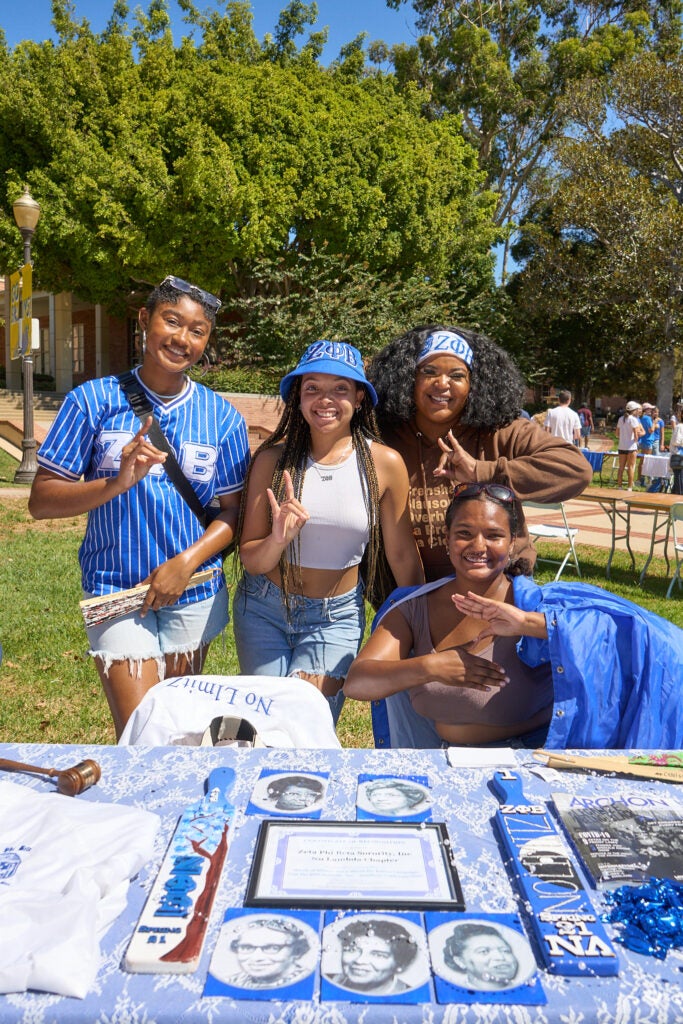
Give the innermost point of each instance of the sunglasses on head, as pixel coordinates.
(497, 491)
(206, 298)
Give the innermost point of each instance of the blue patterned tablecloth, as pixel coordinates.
(166, 779)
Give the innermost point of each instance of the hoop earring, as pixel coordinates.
(144, 341)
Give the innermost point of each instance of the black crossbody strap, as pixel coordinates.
(142, 408)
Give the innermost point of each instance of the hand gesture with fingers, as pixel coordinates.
(288, 517)
(501, 619)
(138, 457)
(455, 463)
(457, 667)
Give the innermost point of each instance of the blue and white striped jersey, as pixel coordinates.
(132, 534)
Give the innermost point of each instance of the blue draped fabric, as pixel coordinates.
(595, 459)
(617, 668)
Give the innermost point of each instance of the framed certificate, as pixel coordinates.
(354, 865)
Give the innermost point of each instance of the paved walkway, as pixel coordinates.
(594, 527)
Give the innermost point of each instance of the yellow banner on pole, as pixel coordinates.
(20, 311)
(15, 315)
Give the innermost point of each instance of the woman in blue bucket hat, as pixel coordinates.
(320, 491)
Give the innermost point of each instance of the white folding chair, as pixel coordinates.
(550, 531)
(284, 712)
(677, 527)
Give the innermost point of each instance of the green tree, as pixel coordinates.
(327, 296)
(508, 68)
(219, 156)
(609, 246)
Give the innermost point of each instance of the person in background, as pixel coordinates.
(673, 420)
(449, 401)
(320, 491)
(487, 657)
(676, 439)
(646, 440)
(586, 421)
(629, 430)
(97, 459)
(658, 432)
(563, 421)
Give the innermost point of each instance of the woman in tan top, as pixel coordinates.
(489, 656)
(436, 648)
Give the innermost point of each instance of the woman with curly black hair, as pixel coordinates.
(449, 401)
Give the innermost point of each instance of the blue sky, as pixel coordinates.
(31, 19)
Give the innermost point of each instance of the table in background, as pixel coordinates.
(166, 779)
(613, 457)
(656, 466)
(596, 460)
(657, 505)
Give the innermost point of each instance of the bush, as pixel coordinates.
(258, 380)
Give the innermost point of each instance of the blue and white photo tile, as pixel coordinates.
(393, 798)
(288, 794)
(482, 958)
(374, 957)
(266, 954)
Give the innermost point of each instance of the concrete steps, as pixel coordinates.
(45, 405)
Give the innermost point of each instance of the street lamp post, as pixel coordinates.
(26, 214)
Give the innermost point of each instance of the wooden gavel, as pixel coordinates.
(70, 781)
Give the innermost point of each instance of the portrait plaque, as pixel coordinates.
(354, 865)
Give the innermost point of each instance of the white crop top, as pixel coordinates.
(338, 532)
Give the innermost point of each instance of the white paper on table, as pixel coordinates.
(481, 757)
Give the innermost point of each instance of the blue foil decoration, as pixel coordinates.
(649, 917)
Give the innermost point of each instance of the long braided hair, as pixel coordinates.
(294, 431)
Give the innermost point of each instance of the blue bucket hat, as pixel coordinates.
(334, 357)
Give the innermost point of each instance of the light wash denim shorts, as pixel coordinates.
(321, 637)
(173, 629)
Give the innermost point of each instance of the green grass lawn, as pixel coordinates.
(49, 690)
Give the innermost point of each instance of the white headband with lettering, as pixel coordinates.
(448, 343)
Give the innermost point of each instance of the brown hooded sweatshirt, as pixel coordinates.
(536, 465)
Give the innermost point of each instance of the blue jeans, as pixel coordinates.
(321, 637)
(409, 729)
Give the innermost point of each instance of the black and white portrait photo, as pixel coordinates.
(263, 951)
(288, 794)
(391, 797)
(481, 955)
(375, 955)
